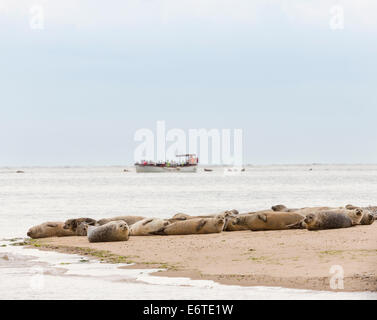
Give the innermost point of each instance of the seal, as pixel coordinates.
(308, 210)
(228, 215)
(355, 215)
(82, 229)
(367, 218)
(269, 221)
(112, 231)
(49, 229)
(279, 207)
(259, 212)
(179, 217)
(233, 212)
(233, 225)
(73, 224)
(368, 214)
(372, 210)
(194, 226)
(148, 227)
(184, 216)
(130, 220)
(327, 220)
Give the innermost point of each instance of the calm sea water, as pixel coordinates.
(56, 194)
(42, 194)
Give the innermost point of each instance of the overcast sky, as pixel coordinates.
(75, 92)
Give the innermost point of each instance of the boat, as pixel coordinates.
(190, 164)
(208, 170)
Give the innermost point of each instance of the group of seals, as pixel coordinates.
(319, 218)
(279, 217)
(370, 213)
(109, 229)
(74, 227)
(78, 225)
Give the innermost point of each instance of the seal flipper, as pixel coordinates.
(159, 232)
(52, 225)
(148, 221)
(263, 217)
(201, 225)
(299, 225)
(90, 221)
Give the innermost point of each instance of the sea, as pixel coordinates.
(33, 195)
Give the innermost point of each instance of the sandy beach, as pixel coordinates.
(291, 258)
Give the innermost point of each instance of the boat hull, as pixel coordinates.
(165, 169)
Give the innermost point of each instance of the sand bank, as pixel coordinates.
(289, 258)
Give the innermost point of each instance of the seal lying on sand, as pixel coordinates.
(112, 231)
(258, 212)
(327, 220)
(228, 215)
(233, 225)
(269, 221)
(304, 211)
(179, 217)
(372, 210)
(185, 216)
(82, 229)
(130, 220)
(370, 214)
(49, 229)
(76, 225)
(194, 226)
(147, 227)
(355, 215)
(367, 218)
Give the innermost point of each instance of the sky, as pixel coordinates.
(75, 88)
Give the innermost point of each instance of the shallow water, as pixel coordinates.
(35, 274)
(56, 194)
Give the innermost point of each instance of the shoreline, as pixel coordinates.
(297, 259)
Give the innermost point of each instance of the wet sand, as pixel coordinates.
(290, 258)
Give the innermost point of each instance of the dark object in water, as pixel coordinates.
(20, 171)
(208, 170)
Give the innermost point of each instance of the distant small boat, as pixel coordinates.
(208, 170)
(235, 169)
(189, 165)
(20, 171)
